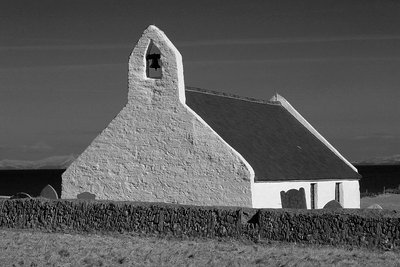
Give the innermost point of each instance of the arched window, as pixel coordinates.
(153, 62)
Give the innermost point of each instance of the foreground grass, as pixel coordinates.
(28, 248)
(386, 201)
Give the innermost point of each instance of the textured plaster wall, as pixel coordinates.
(157, 149)
(267, 195)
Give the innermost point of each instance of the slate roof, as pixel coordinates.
(275, 144)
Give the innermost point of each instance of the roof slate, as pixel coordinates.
(274, 143)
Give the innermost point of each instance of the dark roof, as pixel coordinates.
(273, 142)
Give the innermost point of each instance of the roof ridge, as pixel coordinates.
(230, 95)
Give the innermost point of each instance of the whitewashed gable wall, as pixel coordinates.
(157, 149)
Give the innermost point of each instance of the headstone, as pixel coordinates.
(86, 195)
(333, 205)
(375, 206)
(20, 195)
(49, 192)
(294, 199)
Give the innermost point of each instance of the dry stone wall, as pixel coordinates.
(157, 149)
(364, 228)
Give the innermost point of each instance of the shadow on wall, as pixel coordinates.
(31, 182)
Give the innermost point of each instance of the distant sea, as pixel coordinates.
(375, 179)
(29, 181)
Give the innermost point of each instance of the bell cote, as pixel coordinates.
(155, 70)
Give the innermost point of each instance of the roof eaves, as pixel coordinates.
(260, 180)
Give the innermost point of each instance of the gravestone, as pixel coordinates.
(20, 195)
(86, 195)
(294, 199)
(49, 192)
(333, 205)
(375, 206)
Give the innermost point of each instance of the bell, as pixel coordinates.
(154, 61)
(154, 64)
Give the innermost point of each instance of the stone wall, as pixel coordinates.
(364, 228)
(157, 149)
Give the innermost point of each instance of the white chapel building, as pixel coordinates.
(191, 146)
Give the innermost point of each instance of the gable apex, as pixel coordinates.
(275, 99)
(152, 28)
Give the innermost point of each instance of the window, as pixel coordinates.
(313, 193)
(153, 62)
(337, 192)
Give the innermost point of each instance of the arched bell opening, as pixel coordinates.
(153, 62)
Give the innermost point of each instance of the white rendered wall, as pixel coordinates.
(157, 149)
(267, 195)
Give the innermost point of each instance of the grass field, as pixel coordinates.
(386, 201)
(27, 248)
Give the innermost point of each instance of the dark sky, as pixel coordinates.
(63, 65)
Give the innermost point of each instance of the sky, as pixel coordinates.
(63, 65)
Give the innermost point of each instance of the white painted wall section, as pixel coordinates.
(157, 149)
(267, 194)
